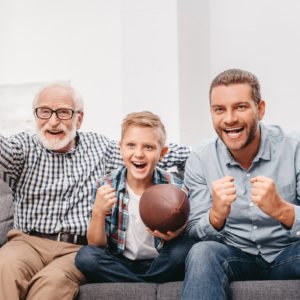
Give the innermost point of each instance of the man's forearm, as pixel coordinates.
(216, 220)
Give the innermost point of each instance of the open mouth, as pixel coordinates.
(233, 132)
(139, 165)
(54, 132)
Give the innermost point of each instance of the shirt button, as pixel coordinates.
(254, 227)
(251, 204)
(258, 246)
(248, 175)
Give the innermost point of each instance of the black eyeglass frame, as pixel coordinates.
(56, 111)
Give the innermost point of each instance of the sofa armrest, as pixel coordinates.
(6, 211)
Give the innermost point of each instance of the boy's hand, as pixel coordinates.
(105, 199)
(169, 235)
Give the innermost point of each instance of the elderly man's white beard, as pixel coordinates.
(56, 144)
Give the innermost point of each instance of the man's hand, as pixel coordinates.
(223, 194)
(105, 199)
(169, 235)
(266, 197)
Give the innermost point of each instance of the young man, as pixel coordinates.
(52, 175)
(120, 248)
(244, 189)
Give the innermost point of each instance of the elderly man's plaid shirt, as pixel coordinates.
(52, 191)
(117, 221)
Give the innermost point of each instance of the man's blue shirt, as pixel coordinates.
(247, 227)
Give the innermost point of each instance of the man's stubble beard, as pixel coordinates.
(251, 136)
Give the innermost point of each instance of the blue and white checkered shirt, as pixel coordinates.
(52, 191)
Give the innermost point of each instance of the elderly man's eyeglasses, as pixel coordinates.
(45, 113)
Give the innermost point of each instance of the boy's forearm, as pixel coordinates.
(96, 234)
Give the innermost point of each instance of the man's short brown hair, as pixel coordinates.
(237, 76)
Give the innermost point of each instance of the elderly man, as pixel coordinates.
(52, 175)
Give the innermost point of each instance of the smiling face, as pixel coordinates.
(55, 134)
(141, 150)
(236, 117)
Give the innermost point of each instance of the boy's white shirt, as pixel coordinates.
(139, 243)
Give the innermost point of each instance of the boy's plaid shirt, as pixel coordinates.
(117, 221)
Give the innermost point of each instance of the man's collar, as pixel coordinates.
(264, 152)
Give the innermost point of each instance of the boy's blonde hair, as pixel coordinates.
(145, 119)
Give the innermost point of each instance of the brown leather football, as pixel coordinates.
(164, 207)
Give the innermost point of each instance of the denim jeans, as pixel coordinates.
(212, 266)
(100, 265)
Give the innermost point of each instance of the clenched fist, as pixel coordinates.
(223, 194)
(105, 199)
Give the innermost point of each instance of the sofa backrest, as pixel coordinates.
(6, 211)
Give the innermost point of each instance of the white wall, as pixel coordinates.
(262, 37)
(121, 55)
(194, 70)
(130, 55)
(149, 60)
(76, 40)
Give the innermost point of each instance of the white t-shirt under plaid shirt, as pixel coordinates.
(51, 190)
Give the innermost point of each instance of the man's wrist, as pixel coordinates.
(285, 214)
(215, 220)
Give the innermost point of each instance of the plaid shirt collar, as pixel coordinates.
(159, 177)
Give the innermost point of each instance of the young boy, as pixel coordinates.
(120, 247)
